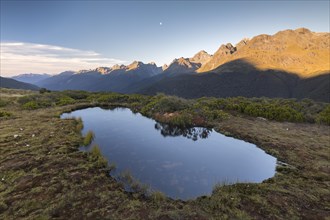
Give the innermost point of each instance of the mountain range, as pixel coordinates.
(31, 78)
(288, 64)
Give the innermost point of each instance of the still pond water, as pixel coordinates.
(182, 163)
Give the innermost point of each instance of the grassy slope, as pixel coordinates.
(43, 175)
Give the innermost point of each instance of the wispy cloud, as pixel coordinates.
(21, 57)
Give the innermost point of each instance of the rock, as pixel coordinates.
(201, 57)
(164, 67)
(103, 70)
(117, 66)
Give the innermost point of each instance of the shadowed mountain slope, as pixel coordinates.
(14, 84)
(252, 82)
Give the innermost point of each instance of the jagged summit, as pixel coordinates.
(182, 65)
(164, 67)
(103, 70)
(117, 66)
(135, 65)
(299, 51)
(201, 57)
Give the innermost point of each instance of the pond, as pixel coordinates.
(182, 163)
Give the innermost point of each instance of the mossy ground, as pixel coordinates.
(43, 175)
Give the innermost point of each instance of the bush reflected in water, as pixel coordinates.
(193, 133)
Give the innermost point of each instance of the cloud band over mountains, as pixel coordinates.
(21, 57)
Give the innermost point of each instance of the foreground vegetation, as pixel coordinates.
(43, 175)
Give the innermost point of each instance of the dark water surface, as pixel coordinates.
(182, 163)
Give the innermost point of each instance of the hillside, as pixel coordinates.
(14, 84)
(299, 51)
(250, 83)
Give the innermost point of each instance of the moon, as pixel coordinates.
(160, 23)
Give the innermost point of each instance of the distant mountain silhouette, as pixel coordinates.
(14, 84)
(288, 64)
(115, 79)
(31, 78)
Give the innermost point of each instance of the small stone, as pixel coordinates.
(33, 135)
(16, 135)
(27, 145)
(21, 129)
(2, 179)
(287, 129)
(261, 118)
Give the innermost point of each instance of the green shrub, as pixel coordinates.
(24, 99)
(77, 95)
(149, 107)
(324, 116)
(165, 104)
(171, 104)
(137, 98)
(213, 114)
(43, 90)
(183, 119)
(38, 101)
(65, 100)
(31, 105)
(112, 98)
(274, 112)
(5, 114)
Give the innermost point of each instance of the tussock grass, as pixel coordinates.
(89, 137)
(97, 157)
(158, 197)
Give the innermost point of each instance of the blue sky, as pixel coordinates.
(53, 36)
